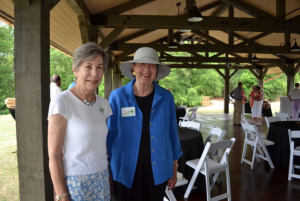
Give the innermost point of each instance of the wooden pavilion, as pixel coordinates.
(235, 30)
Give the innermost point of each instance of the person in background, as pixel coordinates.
(77, 132)
(238, 105)
(143, 144)
(72, 84)
(294, 97)
(243, 105)
(55, 86)
(252, 94)
(257, 106)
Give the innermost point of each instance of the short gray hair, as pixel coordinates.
(88, 52)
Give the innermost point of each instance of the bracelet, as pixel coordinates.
(61, 196)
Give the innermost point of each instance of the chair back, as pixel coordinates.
(183, 106)
(271, 119)
(258, 145)
(293, 134)
(190, 114)
(283, 116)
(217, 132)
(190, 124)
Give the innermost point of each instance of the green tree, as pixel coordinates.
(6, 65)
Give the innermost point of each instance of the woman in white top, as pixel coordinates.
(77, 132)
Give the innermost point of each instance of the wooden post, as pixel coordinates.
(290, 78)
(226, 91)
(32, 43)
(108, 81)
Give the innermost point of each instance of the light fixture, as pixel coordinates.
(295, 47)
(194, 15)
(172, 45)
(162, 57)
(182, 30)
(254, 58)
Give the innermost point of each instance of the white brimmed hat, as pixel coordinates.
(145, 55)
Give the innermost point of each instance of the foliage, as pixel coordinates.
(6, 65)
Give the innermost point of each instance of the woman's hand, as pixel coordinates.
(171, 182)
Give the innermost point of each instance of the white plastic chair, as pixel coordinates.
(271, 119)
(183, 106)
(257, 144)
(219, 133)
(207, 166)
(191, 124)
(190, 115)
(283, 116)
(294, 152)
(180, 182)
(262, 135)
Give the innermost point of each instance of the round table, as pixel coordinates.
(192, 147)
(278, 133)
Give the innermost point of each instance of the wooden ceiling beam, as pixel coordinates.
(112, 36)
(202, 66)
(208, 23)
(251, 40)
(135, 35)
(129, 5)
(21, 2)
(216, 59)
(221, 9)
(280, 9)
(207, 48)
(207, 37)
(248, 8)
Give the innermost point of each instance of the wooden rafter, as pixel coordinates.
(112, 36)
(129, 5)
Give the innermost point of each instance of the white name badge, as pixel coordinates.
(128, 111)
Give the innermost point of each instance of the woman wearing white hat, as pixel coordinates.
(142, 142)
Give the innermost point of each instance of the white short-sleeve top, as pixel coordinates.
(85, 141)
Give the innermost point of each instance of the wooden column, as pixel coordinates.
(260, 80)
(108, 81)
(226, 91)
(115, 77)
(32, 90)
(290, 78)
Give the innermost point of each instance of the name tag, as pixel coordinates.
(128, 111)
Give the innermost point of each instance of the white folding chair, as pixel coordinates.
(283, 116)
(294, 152)
(191, 124)
(207, 166)
(218, 134)
(180, 182)
(257, 144)
(183, 106)
(262, 135)
(271, 119)
(190, 114)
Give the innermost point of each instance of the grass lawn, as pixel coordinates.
(9, 179)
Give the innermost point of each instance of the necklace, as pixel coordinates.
(85, 101)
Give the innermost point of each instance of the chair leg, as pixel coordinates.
(253, 156)
(228, 183)
(190, 186)
(268, 156)
(170, 194)
(244, 151)
(291, 166)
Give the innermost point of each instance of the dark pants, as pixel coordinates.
(143, 187)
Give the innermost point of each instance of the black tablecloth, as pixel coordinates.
(192, 147)
(278, 133)
(12, 112)
(180, 112)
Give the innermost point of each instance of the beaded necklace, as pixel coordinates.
(85, 101)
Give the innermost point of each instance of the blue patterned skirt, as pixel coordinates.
(93, 187)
